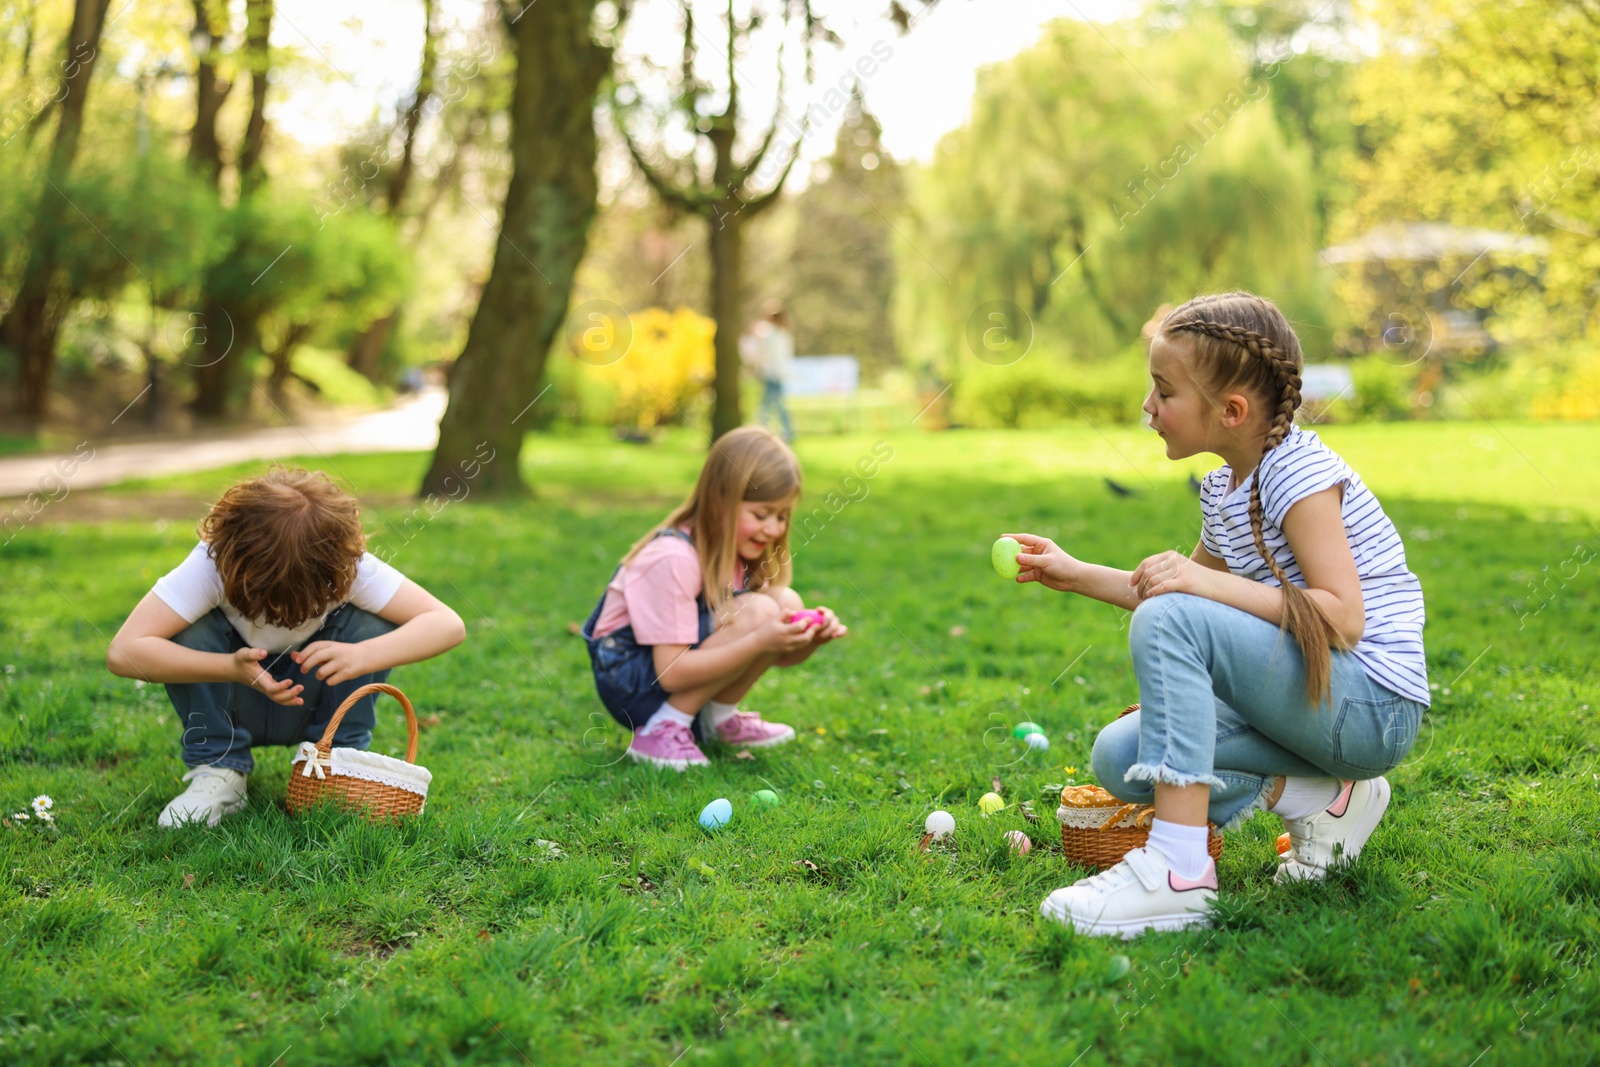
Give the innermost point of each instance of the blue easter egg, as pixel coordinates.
(716, 814)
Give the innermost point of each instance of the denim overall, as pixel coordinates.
(624, 670)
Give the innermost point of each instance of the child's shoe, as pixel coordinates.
(213, 792)
(1140, 893)
(1333, 835)
(668, 745)
(749, 729)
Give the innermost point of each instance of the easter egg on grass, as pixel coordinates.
(1023, 729)
(1036, 741)
(990, 803)
(940, 824)
(764, 798)
(716, 814)
(1004, 557)
(1019, 842)
(1284, 844)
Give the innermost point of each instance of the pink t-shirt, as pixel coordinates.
(656, 595)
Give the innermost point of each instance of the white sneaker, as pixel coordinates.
(1335, 835)
(1140, 893)
(213, 792)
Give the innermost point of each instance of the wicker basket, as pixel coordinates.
(378, 786)
(1097, 829)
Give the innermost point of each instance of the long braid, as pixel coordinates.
(1303, 617)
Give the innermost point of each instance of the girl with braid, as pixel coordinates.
(1280, 663)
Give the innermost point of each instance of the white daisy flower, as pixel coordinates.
(42, 804)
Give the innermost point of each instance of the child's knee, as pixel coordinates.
(787, 599)
(357, 624)
(748, 612)
(211, 632)
(1152, 621)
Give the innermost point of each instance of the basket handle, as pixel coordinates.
(326, 744)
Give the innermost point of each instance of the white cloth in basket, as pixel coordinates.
(370, 766)
(1095, 818)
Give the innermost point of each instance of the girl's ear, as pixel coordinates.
(1235, 410)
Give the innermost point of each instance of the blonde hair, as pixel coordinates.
(747, 464)
(1242, 342)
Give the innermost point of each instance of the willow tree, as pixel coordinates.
(550, 202)
(1104, 171)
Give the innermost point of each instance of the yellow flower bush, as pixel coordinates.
(664, 367)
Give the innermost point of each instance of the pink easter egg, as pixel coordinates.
(1020, 844)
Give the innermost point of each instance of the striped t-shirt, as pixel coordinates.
(1390, 649)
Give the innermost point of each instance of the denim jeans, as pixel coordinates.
(222, 720)
(772, 398)
(1223, 702)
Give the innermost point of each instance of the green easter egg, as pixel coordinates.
(764, 798)
(990, 803)
(1023, 729)
(1004, 557)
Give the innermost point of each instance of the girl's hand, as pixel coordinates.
(831, 629)
(247, 670)
(334, 662)
(1045, 562)
(1171, 572)
(784, 637)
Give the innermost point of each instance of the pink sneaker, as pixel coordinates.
(668, 745)
(749, 729)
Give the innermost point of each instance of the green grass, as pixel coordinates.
(1464, 935)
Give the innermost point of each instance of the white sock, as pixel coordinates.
(1305, 797)
(719, 712)
(664, 714)
(1183, 847)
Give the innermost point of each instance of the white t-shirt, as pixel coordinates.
(194, 587)
(1390, 649)
(771, 351)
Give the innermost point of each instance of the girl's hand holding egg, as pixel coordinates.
(1042, 560)
(829, 628)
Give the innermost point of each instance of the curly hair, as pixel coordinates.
(1244, 343)
(286, 545)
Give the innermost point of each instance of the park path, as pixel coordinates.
(410, 426)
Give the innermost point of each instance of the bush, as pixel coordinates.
(1039, 391)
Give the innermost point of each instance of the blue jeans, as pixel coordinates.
(1223, 702)
(222, 720)
(772, 397)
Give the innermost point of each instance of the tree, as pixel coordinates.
(229, 332)
(1105, 171)
(1488, 120)
(549, 204)
(725, 192)
(367, 349)
(32, 322)
(841, 270)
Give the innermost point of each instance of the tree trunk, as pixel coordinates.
(258, 29)
(367, 350)
(30, 325)
(550, 202)
(727, 255)
(205, 150)
(217, 390)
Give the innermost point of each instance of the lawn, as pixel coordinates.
(817, 933)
